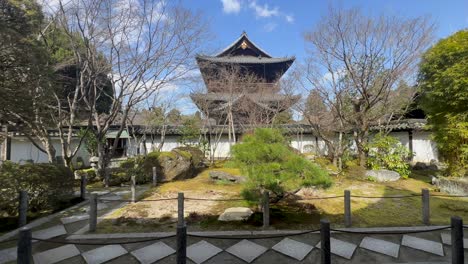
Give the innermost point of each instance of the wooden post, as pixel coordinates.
(155, 177)
(23, 208)
(93, 212)
(266, 209)
(458, 253)
(425, 207)
(325, 241)
(24, 250)
(181, 231)
(83, 187)
(347, 208)
(133, 186)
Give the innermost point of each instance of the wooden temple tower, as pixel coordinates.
(242, 84)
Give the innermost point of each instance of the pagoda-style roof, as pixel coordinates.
(250, 59)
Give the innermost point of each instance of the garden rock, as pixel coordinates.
(236, 214)
(225, 176)
(420, 166)
(176, 165)
(198, 157)
(383, 175)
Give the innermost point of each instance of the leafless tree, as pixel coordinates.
(356, 63)
(140, 45)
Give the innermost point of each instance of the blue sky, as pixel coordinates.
(277, 26)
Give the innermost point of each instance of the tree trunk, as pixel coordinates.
(102, 163)
(50, 150)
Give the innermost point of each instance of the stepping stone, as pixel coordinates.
(100, 206)
(50, 232)
(202, 251)
(341, 248)
(153, 253)
(100, 192)
(293, 248)
(7, 255)
(122, 192)
(74, 218)
(246, 250)
(423, 245)
(56, 255)
(380, 246)
(111, 198)
(447, 240)
(103, 254)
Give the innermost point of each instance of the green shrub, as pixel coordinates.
(386, 152)
(90, 174)
(140, 166)
(270, 164)
(48, 185)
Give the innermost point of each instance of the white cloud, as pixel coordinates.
(231, 6)
(289, 18)
(264, 10)
(270, 27)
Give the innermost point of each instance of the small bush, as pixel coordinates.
(140, 166)
(90, 174)
(386, 152)
(269, 163)
(48, 186)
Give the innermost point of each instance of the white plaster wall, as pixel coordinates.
(22, 150)
(402, 136)
(424, 148)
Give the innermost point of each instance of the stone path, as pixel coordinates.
(432, 247)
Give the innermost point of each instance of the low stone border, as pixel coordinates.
(245, 233)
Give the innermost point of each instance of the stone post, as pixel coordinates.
(425, 207)
(266, 209)
(325, 241)
(458, 253)
(133, 188)
(155, 177)
(347, 208)
(83, 183)
(93, 212)
(24, 250)
(181, 231)
(23, 208)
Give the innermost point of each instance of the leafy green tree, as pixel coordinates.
(386, 152)
(270, 164)
(443, 80)
(25, 74)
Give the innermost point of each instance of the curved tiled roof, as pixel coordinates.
(245, 59)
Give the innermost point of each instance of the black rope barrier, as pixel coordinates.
(386, 197)
(255, 237)
(8, 241)
(390, 232)
(129, 200)
(214, 200)
(71, 242)
(321, 198)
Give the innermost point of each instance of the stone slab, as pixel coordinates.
(103, 254)
(100, 206)
(74, 218)
(423, 245)
(246, 250)
(293, 248)
(111, 198)
(122, 192)
(380, 246)
(202, 251)
(7, 255)
(341, 248)
(50, 232)
(153, 253)
(100, 192)
(56, 255)
(447, 240)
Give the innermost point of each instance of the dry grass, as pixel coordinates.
(289, 214)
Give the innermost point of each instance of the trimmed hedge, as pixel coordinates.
(48, 186)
